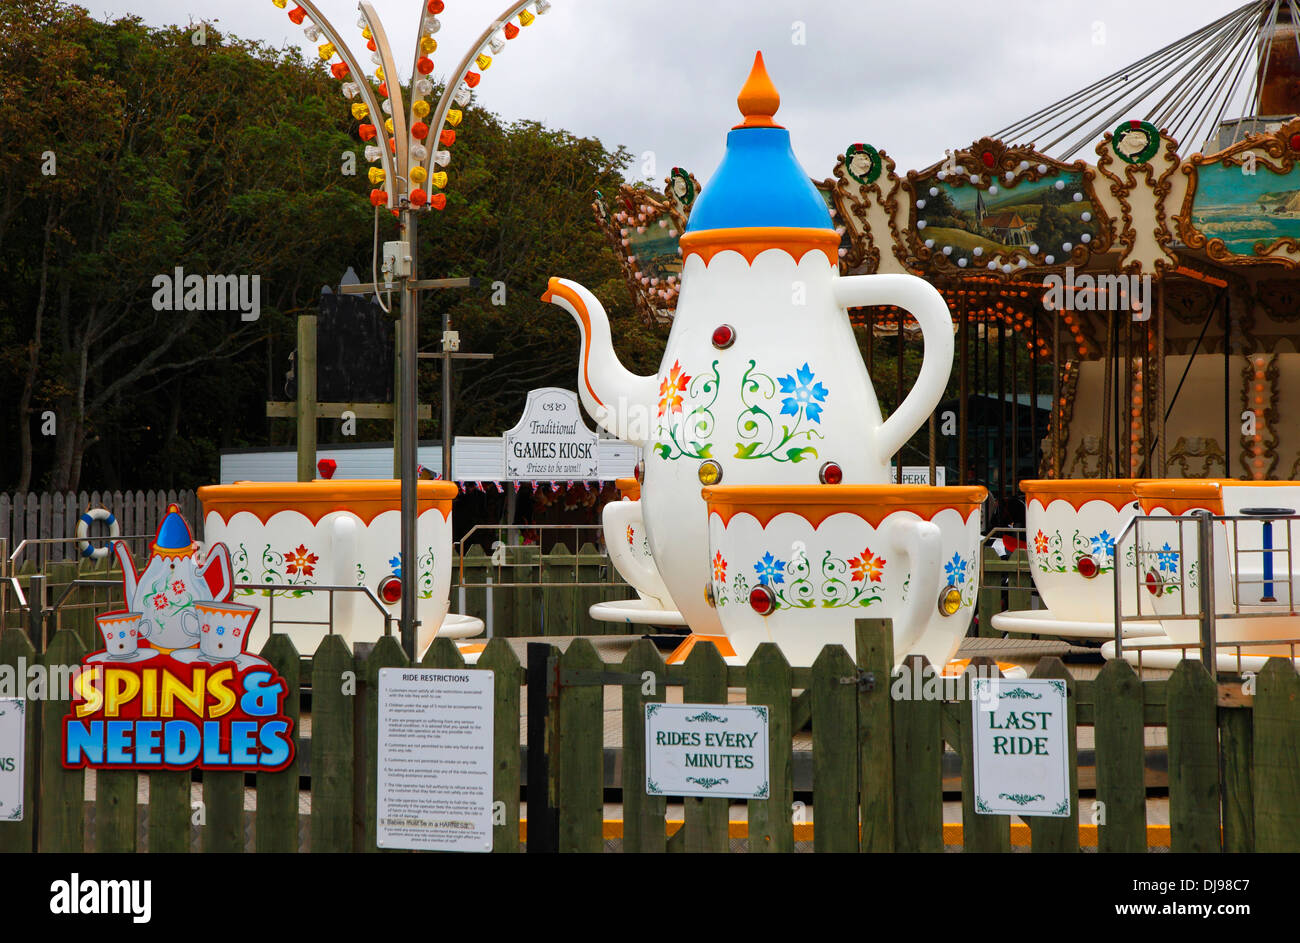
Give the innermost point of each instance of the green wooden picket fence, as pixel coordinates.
(877, 775)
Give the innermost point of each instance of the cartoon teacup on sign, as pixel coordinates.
(172, 583)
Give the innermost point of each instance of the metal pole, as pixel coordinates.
(1205, 589)
(446, 399)
(305, 367)
(963, 390)
(410, 438)
(1227, 370)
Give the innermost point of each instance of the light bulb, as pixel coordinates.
(542, 7)
(454, 117)
(360, 111)
(423, 88)
(526, 18)
(373, 153)
(497, 44)
(442, 158)
(376, 58)
(462, 96)
(388, 125)
(312, 33)
(428, 45)
(439, 180)
(419, 174)
(377, 175)
(483, 61)
(432, 25)
(327, 51)
(350, 90)
(419, 152)
(387, 107)
(420, 109)
(363, 25)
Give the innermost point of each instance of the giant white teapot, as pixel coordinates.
(762, 381)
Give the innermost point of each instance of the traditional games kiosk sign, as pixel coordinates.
(551, 441)
(1022, 755)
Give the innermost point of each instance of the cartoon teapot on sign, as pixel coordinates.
(762, 381)
(173, 581)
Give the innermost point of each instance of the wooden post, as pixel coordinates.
(277, 793)
(62, 791)
(581, 752)
(1121, 790)
(705, 828)
(1277, 738)
(835, 760)
(305, 369)
(1193, 759)
(979, 833)
(500, 659)
(387, 653)
(1061, 834)
(767, 680)
(918, 768)
(644, 828)
(334, 689)
(875, 650)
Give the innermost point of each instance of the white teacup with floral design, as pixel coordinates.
(799, 564)
(1071, 526)
(629, 549)
(120, 632)
(223, 629)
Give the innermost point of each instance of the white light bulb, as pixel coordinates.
(419, 152)
(497, 44)
(312, 34)
(362, 24)
(373, 153)
(543, 6)
(432, 25)
(442, 158)
(387, 107)
(350, 90)
(423, 88)
(462, 95)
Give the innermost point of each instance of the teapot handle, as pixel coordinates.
(924, 302)
(921, 543)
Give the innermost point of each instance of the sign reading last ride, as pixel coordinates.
(1022, 755)
(551, 441)
(706, 750)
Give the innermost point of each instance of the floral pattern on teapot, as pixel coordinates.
(760, 435)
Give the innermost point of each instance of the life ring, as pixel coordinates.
(83, 532)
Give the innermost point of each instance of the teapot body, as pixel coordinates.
(761, 375)
(165, 593)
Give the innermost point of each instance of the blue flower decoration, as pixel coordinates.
(396, 564)
(769, 568)
(805, 394)
(221, 630)
(956, 569)
(1104, 543)
(1167, 558)
(121, 635)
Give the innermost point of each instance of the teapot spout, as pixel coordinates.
(619, 400)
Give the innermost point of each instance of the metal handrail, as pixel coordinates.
(366, 591)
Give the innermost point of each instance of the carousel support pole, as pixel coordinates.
(447, 443)
(1160, 376)
(1058, 470)
(1130, 446)
(1002, 414)
(934, 437)
(1015, 411)
(1036, 448)
(305, 368)
(1227, 373)
(410, 439)
(1106, 394)
(963, 391)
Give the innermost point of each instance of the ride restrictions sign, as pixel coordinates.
(1022, 754)
(435, 759)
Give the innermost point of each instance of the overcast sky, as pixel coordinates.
(911, 78)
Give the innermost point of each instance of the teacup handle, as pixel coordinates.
(186, 619)
(924, 303)
(921, 543)
(145, 628)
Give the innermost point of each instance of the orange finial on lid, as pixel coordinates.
(759, 99)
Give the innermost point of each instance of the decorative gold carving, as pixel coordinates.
(1281, 299)
(995, 163)
(1160, 184)
(1079, 467)
(855, 199)
(1267, 151)
(1188, 301)
(1189, 450)
(634, 203)
(1259, 386)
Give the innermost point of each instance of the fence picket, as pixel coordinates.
(706, 827)
(581, 752)
(1121, 755)
(643, 815)
(332, 735)
(1277, 743)
(62, 791)
(1060, 834)
(918, 768)
(277, 793)
(835, 761)
(767, 682)
(1193, 759)
(557, 567)
(387, 653)
(500, 659)
(590, 562)
(980, 832)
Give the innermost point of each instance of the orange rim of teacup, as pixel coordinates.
(113, 618)
(815, 503)
(366, 498)
(629, 488)
(1116, 492)
(1179, 495)
(226, 609)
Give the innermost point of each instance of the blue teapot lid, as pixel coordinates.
(760, 182)
(174, 532)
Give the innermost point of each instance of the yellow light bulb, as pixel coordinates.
(439, 180)
(484, 61)
(327, 51)
(419, 174)
(281, 3)
(949, 600)
(454, 117)
(379, 73)
(428, 45)
(421, 109)
(377, 175)
(367, 33)
(360, 111)
(388, 125)
(710, 472)
(526, 18)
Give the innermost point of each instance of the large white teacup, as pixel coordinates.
(1071, 526)
(340, 532)
(1257, 596)
(629, 549)
(799, 564)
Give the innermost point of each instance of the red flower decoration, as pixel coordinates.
(719, 568)
(301, 560)
(867, 567)
(160, 601)
(629, 535)
(1040, 542)
(178, 586)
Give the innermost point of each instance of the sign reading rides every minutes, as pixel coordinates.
(707, 750)
(551, 441)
